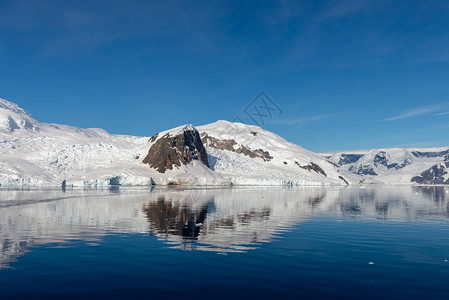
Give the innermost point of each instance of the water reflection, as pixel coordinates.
(168, 217)
(221, 220)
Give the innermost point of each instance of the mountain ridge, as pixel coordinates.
(220, 153)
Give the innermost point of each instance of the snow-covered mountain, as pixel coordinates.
(17, 122)
(36, 153)
(221, 153)
(249, 154)
(396, 165)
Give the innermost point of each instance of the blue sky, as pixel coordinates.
(346, 74)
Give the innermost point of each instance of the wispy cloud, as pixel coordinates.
(320, 118)
(444, 113)
(71, 27)
(420, 111)
(305, 120)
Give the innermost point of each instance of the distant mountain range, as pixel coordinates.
(222, 153)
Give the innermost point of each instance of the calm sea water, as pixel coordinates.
(235, 243)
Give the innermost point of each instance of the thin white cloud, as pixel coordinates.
(305, 120)
(444, 113)
(70, 28)
(419, 111)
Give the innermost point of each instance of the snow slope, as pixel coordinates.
(283, 168)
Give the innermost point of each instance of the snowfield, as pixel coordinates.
(33, 153)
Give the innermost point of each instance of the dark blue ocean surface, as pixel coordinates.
(240, 243)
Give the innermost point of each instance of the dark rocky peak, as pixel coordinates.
(176, 148)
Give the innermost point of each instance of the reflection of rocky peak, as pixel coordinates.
(169, 217)
(238, 220)
(176, 149)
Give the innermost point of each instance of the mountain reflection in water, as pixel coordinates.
(167, 217)
(220, 220)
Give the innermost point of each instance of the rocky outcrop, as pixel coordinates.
(382, 159)
(363, 170)
(181, 149)
(345, 181)
(434, 175)
(154, 138)
(430, 154)
(11, 124)
(229, 145)
(346, 159)
(376, 162)
(314, 167)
